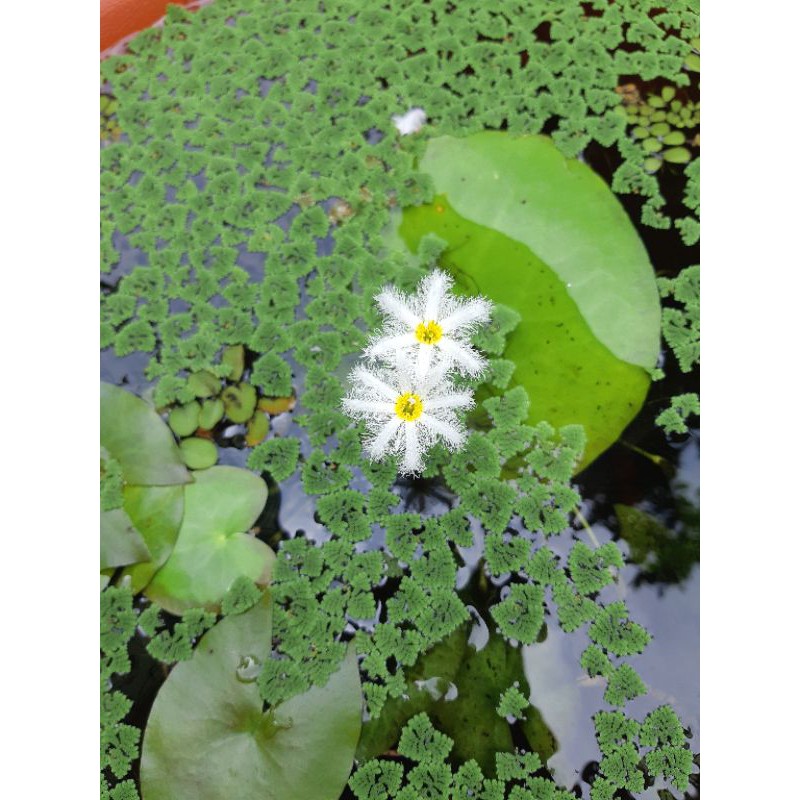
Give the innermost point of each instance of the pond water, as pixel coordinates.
(643, 470)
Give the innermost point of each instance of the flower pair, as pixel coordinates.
(406, 396)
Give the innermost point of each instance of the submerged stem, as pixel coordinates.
(661, 462)
(587, 527)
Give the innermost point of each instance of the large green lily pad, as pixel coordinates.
(214, 545)
(468, 715)
(136, 436)
(208, 737)
(545, 235)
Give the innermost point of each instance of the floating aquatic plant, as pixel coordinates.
(681, 408)
(257, 169)
(588, 328)
(429, 773)
(215, 545)
(109, 126)
(142, 477)
(119, 741)
(228, 396)
(661, 123)
(208, 718)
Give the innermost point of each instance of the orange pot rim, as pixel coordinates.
(120, 20)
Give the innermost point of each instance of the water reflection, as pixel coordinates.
(660, 585)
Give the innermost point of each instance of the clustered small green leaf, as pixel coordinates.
(661, 123)
(203, 194)
(512, 703)
(276, 456)
(430, 775)
(111, 484)
(259, 225)
(176, 644)
(242, 595)
(119, 741)
(615, 633)
(681, 329)
(681, 325)
(675, 418)
(659, 743)
(590, 569)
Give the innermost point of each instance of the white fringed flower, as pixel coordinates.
(432, 325)
(406, 416)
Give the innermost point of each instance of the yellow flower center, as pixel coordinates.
(429, 332)
(408, 407)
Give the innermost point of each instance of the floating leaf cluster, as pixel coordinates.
(119, 741)
(174, 645)
(225, 399)
(681, 330)
(169, 642)
(430, 775)
(321, 588)
(242, 212)
(681, 408)
(634, 753)
(663, 123)
(109, 126)
(512, 703)
(229, 208)
(212, 202)
(681, 324)
(111, 484)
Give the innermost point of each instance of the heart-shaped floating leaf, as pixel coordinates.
(136, 436)
(214, 546)
(544, 235)
(208, 737)
(156, 511)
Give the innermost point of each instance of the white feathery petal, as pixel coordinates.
(464, 355)
(472, 313)
(372, 381)
(435, 376)
(388, 344)
(394, 303)
(432, 292)
(380, 444)
(424, 357)
(359, 406)
(454, 400)
(449, 432)
(412, 458)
